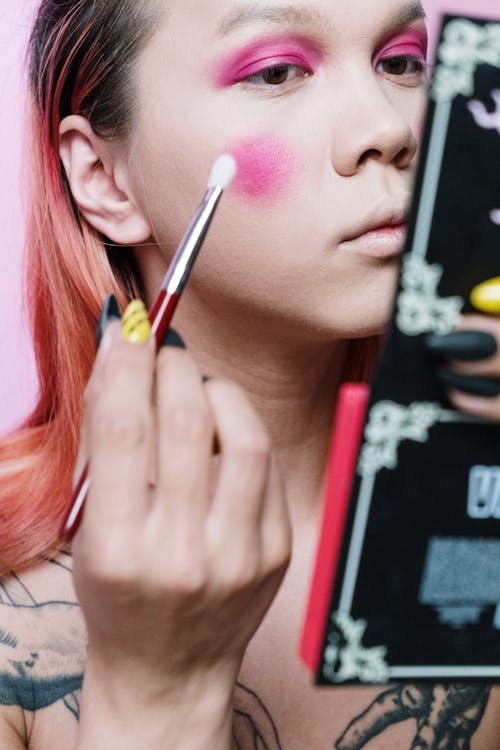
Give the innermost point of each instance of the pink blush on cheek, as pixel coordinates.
(266, 167)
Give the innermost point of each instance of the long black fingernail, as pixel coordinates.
(110, 311)
(476, 386)
(173, 339)
(465, 345)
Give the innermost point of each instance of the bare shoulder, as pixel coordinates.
(42, 653)
(488, 733)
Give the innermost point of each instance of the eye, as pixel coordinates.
(403, 66)
(277, 75)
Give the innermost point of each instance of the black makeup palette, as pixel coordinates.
(407, 583)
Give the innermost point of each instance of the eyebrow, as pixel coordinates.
(410, 12)
(290, 14)
(249, 14)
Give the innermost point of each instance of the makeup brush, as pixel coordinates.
(223, 173)
(162, 311)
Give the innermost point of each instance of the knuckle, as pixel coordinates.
(127, 429)
(112, 570)
(243, 573)
(247, 576)
(128, 357)
(185, 580)
(281, 553)
(252, 445)
(276, 564)
(190, 422)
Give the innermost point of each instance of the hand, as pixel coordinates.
(472, 373)
(177, 558)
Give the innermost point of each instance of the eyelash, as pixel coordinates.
(411, 78)
(258, 80)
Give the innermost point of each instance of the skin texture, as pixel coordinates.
(192, 569)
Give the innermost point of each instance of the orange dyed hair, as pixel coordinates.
(81, 61)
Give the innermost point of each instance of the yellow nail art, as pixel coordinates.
(486, 296)
(136, 327)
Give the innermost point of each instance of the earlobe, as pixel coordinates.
(91, 173)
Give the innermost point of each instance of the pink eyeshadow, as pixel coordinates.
(263, 53)
(412, 42)
(266, 166)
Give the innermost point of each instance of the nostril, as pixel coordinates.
(371, 153)
(404, 157)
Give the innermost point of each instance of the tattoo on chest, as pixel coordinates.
(43, 654)
(446, 716)
(253, 725)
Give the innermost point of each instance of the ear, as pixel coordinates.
(98, 187)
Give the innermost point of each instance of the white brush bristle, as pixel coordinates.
(223, 172)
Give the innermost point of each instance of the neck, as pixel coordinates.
(292, 382)
(292, 385)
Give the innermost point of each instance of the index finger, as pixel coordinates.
(119, 440)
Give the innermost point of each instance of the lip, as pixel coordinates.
(379, 236)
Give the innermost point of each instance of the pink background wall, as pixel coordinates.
(16, 378)
(17, 382)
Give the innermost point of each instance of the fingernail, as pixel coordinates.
(136, 327)
(486, 296)
(476, 386)
(466, 345)
(173, 339)
(110, 311)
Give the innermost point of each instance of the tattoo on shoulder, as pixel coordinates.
(42, 649)
(446, 716)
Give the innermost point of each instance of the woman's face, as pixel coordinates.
(321, 103)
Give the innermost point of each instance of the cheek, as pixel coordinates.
(267, 168)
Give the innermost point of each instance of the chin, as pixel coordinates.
(367, 331)
(362, 320)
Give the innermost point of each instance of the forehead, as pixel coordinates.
(313, 13)
(224, 17)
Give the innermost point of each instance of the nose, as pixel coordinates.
(370, 124)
